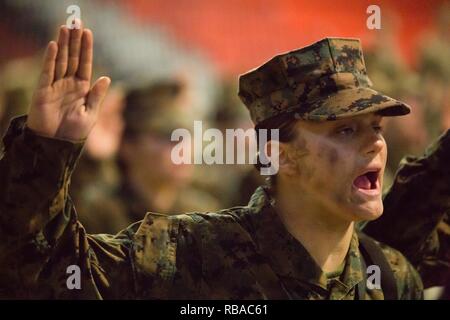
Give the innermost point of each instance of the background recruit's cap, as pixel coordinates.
(154, 109)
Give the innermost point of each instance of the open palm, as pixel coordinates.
(64, 105)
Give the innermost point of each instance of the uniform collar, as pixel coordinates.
(289, 258)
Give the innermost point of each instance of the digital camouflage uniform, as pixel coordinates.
(240, 253)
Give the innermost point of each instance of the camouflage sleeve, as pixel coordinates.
(416, 208)
(409, 283)
(40, 236)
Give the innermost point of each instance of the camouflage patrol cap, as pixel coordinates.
(324, 81)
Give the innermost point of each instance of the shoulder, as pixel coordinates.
(159, 236)
(170, 249)
(195, 223)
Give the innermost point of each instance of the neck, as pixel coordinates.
(325, 236)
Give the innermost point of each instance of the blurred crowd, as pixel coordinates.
(126, 168)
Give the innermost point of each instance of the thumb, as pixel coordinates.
(97, 93)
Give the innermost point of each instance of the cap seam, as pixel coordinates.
(331, 55)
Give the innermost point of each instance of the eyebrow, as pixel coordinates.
(378, 119)
(346, 122)
(340, 126)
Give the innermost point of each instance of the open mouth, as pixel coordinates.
(368, 180)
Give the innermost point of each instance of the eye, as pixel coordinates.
(378, 128)
(346, 131)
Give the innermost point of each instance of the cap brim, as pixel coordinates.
(352, 102)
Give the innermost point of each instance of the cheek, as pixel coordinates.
(317, 170)
(149, 154)
(306, 171)
(331, 159)
(384, 154)
(333, 165)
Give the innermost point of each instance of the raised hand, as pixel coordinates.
(64, 105)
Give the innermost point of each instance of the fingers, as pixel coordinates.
(48, 69)
(74, 50)
(85, 65)
(63, 49)
(74, 54)
(97, 94)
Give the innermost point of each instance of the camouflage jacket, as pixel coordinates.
(239, 253)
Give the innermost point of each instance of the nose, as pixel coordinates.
(373, 143)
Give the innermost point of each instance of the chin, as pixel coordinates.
(368, 212)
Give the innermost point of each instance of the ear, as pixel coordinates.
(288, 162)
(280, 157)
